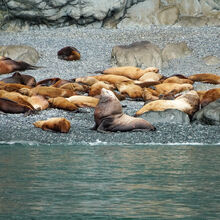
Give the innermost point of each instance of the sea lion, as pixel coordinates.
(76, 87)
(68, 53)
(88, 80)
(9, 106)
(174, 88)
(130, 89)
(150, 77)
(19, 78)
(12, 87)
(38, 102)
(149, 95)
(16, 97)
(177, 79)
(188, 103)
(209, 96)
(109, 116)
(83, 101)
(48, 82)
(131, 72)
(46, 91)
(8, 65)
(96, 88)
(62, 103)
(112, 79)
(206, 78)
(54, 124)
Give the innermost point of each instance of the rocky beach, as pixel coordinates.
(169, 173)
(95, 46)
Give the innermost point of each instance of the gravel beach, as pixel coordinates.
(95, 46)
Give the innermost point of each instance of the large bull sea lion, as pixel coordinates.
(109, 116)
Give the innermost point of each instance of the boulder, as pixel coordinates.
(20, 53)
(211, 60)
(175, 51)
(210, 114)
(167, 116)
(141, 54)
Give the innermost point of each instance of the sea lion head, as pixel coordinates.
(107, 95)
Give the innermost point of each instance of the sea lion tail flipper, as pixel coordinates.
(26, 66)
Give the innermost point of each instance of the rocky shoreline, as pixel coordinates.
(96, 46)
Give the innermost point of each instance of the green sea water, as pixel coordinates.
(109, 182)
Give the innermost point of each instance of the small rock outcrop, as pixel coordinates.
(168, 116)
(211, 60)
(210, 114)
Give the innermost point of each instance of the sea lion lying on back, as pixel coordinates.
(109, 116)
(8, 65)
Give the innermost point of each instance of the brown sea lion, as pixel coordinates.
(9, 106)
(150, 77)
(188, 103)
(131, 72)
(68, 53)
(12, 87)
(48, 82)
(61, 82)
(8, 65)
(174, 88)
(88, 80)
(76, 87)
(38, 102)
(179, 80)
(112, 79)
(83, 101)
(16, 97)
(62, 103)
(206, 78)
(109, 116)
(149, 95)
(19, 78)
(96, 88)
(209, 96)
(130, 89)
(54, 124)
(46, 91)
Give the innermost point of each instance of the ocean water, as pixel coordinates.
(102, 181)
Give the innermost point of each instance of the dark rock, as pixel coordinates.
(167, 116)
(210, 114)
